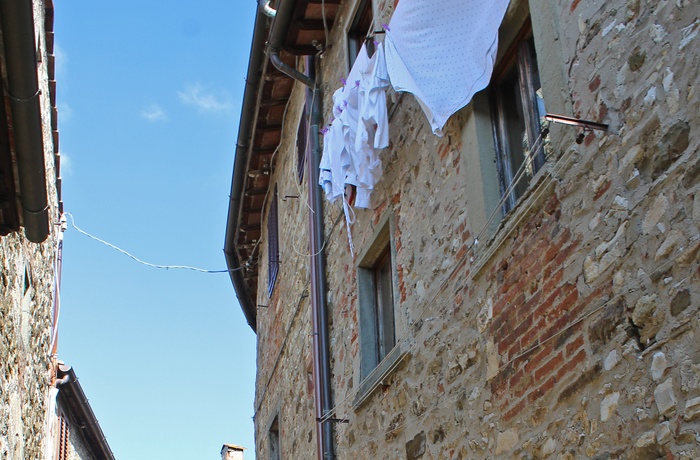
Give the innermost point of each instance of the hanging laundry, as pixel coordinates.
(373, 126)
(443, 52)
(340, 162)
(332, 169)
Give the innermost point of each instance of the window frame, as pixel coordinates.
(371, 371)
(377, 310)
(274, 439)
(273, 255)
(361, 26)
(383, 291)
(521, 58)
(304, 130)
(302, 141)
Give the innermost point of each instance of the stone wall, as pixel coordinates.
(567, 328)
(26, 292)
(78, 448)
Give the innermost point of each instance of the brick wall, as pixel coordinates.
(569, 329)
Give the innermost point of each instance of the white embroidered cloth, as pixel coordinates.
(443, 52)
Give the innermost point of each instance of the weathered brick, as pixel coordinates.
(514, 411)
(538, 356)
(572, 364)
(542, 390)
(571, 347)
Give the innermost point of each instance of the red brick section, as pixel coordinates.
(535, 312)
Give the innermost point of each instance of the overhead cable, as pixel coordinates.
(142, 262)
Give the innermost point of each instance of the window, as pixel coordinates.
(304, 126)
(360, 28)
(274, 438)
(518, 114)
(273, 253)
(383, 305)
(302, 142)
(376, 297)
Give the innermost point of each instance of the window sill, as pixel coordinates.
(378, 376)
(540, 190)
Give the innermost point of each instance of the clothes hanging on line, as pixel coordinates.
(443, 52)
(346, 159)
(358, 131)
(373, 126)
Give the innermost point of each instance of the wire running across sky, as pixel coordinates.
(142, 262)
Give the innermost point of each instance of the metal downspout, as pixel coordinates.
(17, 20)
(319, 306)
(278, 33)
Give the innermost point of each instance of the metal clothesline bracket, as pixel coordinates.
(586, 125)
(332, 420)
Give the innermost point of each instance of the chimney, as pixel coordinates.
(232, 452)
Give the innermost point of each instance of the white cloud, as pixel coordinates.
(195, 95)
(66, 165)
(65, 112)
(153, 113)
(61, 59)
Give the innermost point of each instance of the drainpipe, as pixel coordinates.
(278, 34)
(318, 285)
(319, 306)
(17, 21)
(267, 9)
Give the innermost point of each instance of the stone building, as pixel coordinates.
(519, 287)
(30, 206)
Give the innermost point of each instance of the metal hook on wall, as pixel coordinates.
(587, 125)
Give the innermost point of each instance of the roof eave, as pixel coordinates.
(245, 134)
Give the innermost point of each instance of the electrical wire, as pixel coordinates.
(142, 262)
(325, 22)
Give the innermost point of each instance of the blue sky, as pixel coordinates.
(149, 97)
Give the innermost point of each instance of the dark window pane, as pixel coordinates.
(513, 137)
(518, 115)
(359, 29)
(384, 305)
(302, 142)
(273, 256)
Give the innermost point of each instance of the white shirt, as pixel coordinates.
(373, 125)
